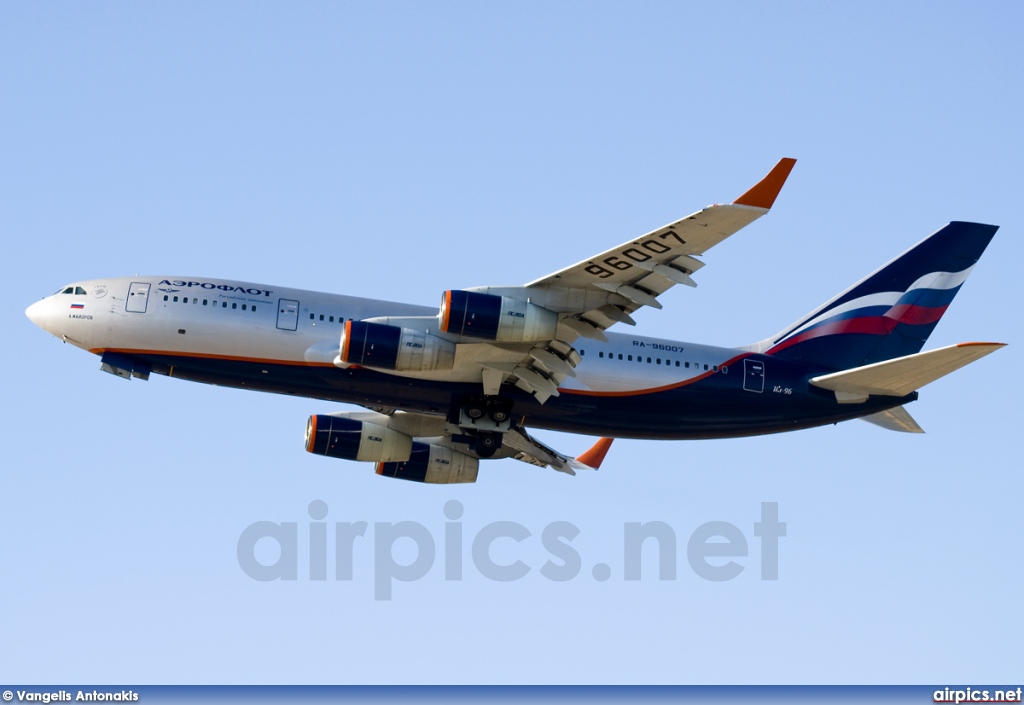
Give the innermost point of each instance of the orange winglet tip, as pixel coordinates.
(765, 191)
(595, 456)
(988, 345)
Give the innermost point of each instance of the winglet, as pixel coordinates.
(595, 456)
(765, 191)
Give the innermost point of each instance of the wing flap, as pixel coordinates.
(902, 375)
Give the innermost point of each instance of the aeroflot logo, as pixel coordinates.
(218, 287)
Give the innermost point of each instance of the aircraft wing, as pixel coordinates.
(656, 261)
(598, 292)
(524, 335)
(528, 449)
(436, 430)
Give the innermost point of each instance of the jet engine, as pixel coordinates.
(340, 437)
(394, 348)
(432, 464)
(493, 317)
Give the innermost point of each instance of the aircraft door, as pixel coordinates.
(753, 375)
(138, 297)
(287, 314)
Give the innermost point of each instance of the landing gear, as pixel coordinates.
(483, 414)
(483, 420)
(487, 444)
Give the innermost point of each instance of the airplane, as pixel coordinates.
(445, 388)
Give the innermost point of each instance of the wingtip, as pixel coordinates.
(595, 456)
(765, 191)
(993, 346)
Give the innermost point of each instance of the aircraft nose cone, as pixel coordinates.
(37, 313)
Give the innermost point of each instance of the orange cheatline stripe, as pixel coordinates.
(633, 392)
(595, 456)
(208, 356)
(654, 390)
(303, 363)
(764, 192)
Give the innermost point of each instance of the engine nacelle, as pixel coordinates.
(493, 317)
(433, 464)
(394, 348)
(340, 437)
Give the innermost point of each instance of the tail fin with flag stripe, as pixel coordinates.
(891, 312)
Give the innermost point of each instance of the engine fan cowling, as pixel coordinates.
(493, 317)
(394, 348)
(340, 437)
(432, 464)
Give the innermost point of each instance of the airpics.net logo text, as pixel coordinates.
(269, 551)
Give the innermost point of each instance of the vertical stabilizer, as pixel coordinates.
(891, 312)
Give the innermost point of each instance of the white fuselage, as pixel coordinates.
(251, 322)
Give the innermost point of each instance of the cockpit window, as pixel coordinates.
(79, 291)
(68, 290)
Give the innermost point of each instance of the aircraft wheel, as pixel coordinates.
(487, 444)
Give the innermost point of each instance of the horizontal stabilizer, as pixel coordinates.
(896, 419)
(902, 375)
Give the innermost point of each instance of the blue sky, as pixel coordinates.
(397, 150)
